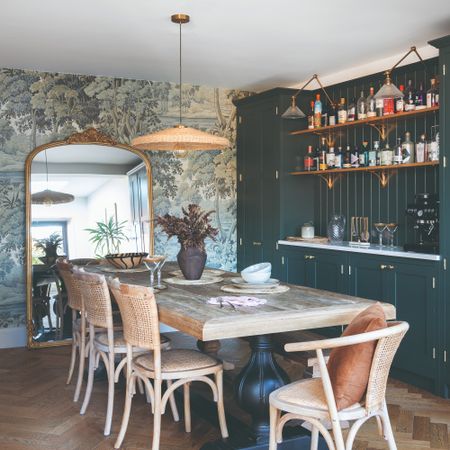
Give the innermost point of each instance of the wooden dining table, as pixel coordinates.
(185, 308)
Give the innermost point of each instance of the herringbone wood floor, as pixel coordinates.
(37, 412)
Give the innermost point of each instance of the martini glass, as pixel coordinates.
(380, 227)
(392, 228)
(159, 285)
(152, 263)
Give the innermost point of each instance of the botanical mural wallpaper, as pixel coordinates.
(36, 108)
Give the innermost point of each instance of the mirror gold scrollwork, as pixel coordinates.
(86, 197)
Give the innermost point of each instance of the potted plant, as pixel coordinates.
(49, 246)
(191, 230)
(107, 236)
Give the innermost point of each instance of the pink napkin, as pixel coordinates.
(236, 301)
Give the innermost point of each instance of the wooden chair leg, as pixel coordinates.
(187, 407)
(387, 429)
(157, 416)
(173, 404)
(140, 386)
(337, 435)
(110, 407)
(220, 405)
(126, 412)
(81, 363)
(274, 414)
(73, 358)
(90, 382)
(314, 438)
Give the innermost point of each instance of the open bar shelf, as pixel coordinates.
(369, 121)
(366, 169)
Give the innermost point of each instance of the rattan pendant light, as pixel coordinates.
(48, 197)
(180, 138)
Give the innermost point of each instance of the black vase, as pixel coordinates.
(192, 261)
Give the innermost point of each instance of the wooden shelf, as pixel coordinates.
(369, 121)
(366, 169)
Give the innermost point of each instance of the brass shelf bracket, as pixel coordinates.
(384, 176)
(330, 179)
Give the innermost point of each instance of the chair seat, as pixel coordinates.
(120, 345)
(77, 325)
(307, 397)
(178, 360)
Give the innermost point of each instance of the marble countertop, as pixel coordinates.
(372, 250)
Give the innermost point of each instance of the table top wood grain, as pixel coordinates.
(301, 308)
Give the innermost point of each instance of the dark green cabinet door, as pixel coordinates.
(293, 267)
(330, 271)
(369, 278)
(416, 303)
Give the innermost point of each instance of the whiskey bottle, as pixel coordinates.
(342, 112)
(331, 115)
(347, 163)
(351, 111)
(433, 95)
(408, 149)
(317, 112)
(361, 107)
(398, 153)
(400, 102)
(410, 96)
(309, 160)
(370, 104)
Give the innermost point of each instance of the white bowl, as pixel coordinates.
(257, 274)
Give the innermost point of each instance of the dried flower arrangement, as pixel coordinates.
(192, 229)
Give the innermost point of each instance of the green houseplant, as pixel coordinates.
(107, 236)
(191, 230)
(49, 246)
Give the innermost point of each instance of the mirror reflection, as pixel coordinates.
(87, 202)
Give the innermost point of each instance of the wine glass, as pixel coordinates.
(152, 263)
(159, 285)
(380, 227)
(364, 229)
(391, 228)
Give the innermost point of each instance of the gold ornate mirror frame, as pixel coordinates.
(91, 136)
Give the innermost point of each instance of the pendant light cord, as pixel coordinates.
(180, 74)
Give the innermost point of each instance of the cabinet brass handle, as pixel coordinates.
(383, 266)
(310, 257)
(256, 243)
(390, 267)
(386, 266)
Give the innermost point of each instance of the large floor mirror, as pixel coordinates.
(86, 197)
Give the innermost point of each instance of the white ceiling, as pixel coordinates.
(250, 44)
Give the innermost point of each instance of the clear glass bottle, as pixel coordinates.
(400, 102)
(331, 158)
(379, 105)
(351, 111)
(410, 96)
(372, 158)
(420, 99)
(433, 94)
(386, 156)
(408, 149)
(398, 153)
(342, 111)
(421, 149)
(364, 155)
(370, 104)
(376, 148)
(317, 112)
(433, 154)
(361, 107)
(338, 159)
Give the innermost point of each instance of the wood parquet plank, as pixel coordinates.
(37, 411)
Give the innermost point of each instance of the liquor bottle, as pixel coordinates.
(372, 160)
(408, 149)
(311, 116)
(342, 112)
(338, 159)
(355, 157)
(410, 96)
(421, 149)
(347, 163)
(376, 148)
(331, 158)
(325, 110)
(420, 98)
(364, 154)
(309, 159)
(398, 153)
(361, 107)
(379, 105)
(433, 94)
(370, 104)
(400, 102)
(317, 158)
(351, 111)
(433, 153)
(317, 112)
(332, 115)
(386, 156)
(323, 155)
